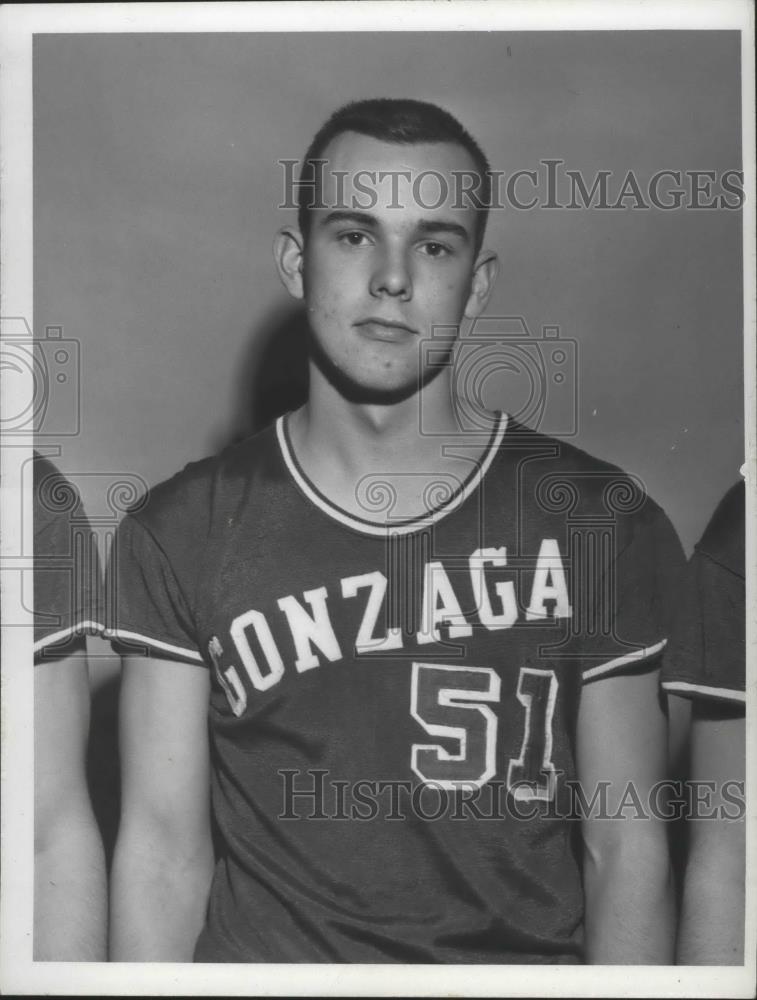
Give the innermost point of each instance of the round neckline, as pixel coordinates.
(400, 526)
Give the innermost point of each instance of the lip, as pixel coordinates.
(384, 329)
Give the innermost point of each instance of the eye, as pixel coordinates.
(354, 238)
(433, 249)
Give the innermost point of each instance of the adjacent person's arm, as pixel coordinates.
(711, 931)
(70, 889)
(70, 886)
(706, 663)
(163, 861)
(621, 744)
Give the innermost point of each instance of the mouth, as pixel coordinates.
(385, 329)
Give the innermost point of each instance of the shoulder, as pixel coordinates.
(205, 490)
(560, 454)
(43, 468)
(50, 484)
(723, 538)
(587, 501)
(56, 500)
(565, 479)
(66, 565)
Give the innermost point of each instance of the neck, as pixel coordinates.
(359, 437)
(342, 446)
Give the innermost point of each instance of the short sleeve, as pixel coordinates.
(67, 582)
(149, 607)
(707, 656)
(634, 605)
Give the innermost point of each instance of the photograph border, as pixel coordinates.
(18, 973)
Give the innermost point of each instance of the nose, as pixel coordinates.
(392, 276)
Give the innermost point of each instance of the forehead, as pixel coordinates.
(413, 181)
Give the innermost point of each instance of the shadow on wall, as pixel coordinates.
(272, 379)
(273, 375)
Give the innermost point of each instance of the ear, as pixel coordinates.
(288, 248)
(485, 272)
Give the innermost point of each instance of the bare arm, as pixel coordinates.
(163, 862)
(622, 737)
(712, 915)
(70, 908)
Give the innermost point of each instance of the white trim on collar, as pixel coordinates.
(404, 527)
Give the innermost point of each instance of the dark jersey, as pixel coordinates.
(393, 707)
(707, 657)
(66, 565)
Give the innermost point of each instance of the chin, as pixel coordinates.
(358, 390)
(365, 387)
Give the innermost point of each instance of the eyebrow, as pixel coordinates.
(355, 218)
(426, 227)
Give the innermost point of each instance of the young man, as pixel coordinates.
(385, 645)
(70, 908)
(707, 664)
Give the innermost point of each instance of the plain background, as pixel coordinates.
(156, 186)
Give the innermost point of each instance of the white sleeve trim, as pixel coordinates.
(65, 633)
(154, 643)
(620, 661)
(707, 692)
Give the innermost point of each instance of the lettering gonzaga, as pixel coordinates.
(314, 638)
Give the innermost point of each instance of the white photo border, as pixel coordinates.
(18, 973)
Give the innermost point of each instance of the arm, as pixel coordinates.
(712, 915)
(69, 865)
(163, 862)
(621, 739)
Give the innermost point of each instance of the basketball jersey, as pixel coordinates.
(393, 706)
(66, 565)
(707, 658)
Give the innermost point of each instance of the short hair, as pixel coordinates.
(404, 122)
